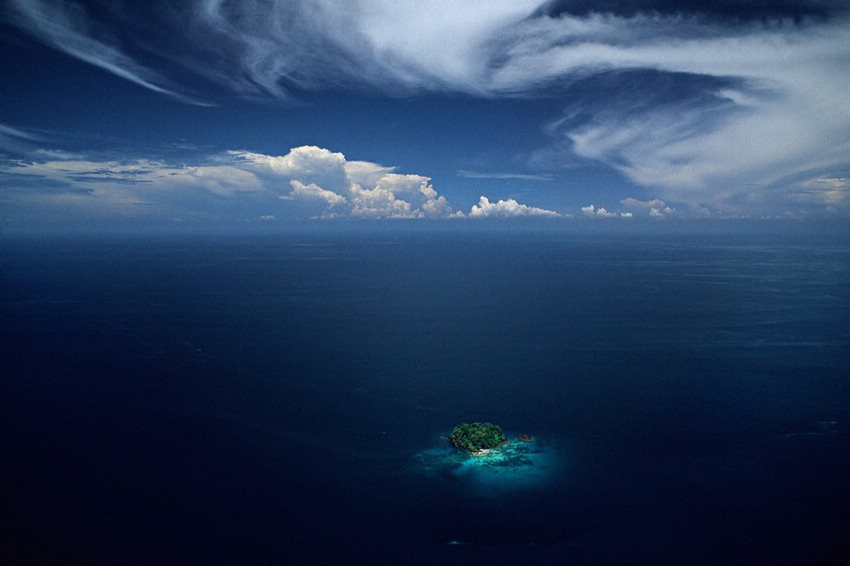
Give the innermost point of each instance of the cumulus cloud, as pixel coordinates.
(591, 211)
(655, 208)
(506, 209)
(634, 208)
(306, 175)
(314, 191)
(309, 164)
(382, 199)
(366, 173)
(366, 189)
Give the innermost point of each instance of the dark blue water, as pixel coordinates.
(279, 398)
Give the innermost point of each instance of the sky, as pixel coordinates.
(217, 112)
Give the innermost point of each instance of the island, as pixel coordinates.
(477, 437)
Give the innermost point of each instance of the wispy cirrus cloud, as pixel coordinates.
(774, 118)
(16, 141)
(134, 180)
(67, 27)
(9, 132)
(495, 175)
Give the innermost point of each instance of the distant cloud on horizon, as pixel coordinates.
(506, 209)
(591, 211)
(323, 183)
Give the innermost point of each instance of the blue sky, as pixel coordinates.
(267, 112)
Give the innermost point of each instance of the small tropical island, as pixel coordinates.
(477, 437)
(483, 454)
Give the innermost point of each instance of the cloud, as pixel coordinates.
(67, 27)
(439, 44)
(480, 175)
(309, 176)
(382, 200)
(309, 165)
(705, 104)
(506, 209)
(634, 208)
(634, 203)
(731, 11)
(592, 212)
(307, 180)
(365, 173)
(144, 178)
(10, 132)
(655, 208)
(314, 191)
(16, 141)
(367, 189)
(743, 106)
(833, 192)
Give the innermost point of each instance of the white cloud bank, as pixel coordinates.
(591, 211)
(506, 209)
(315, 181)
(349, 188)
(634, 208)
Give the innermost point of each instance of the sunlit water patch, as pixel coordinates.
(513, 465)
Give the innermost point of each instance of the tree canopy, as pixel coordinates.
(477, 436)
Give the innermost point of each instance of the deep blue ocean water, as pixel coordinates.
(278, 398)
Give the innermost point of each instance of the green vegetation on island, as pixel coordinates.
(476, 437)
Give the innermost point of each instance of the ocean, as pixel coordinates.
(279, 397)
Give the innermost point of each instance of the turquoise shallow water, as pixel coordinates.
(511, 467)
